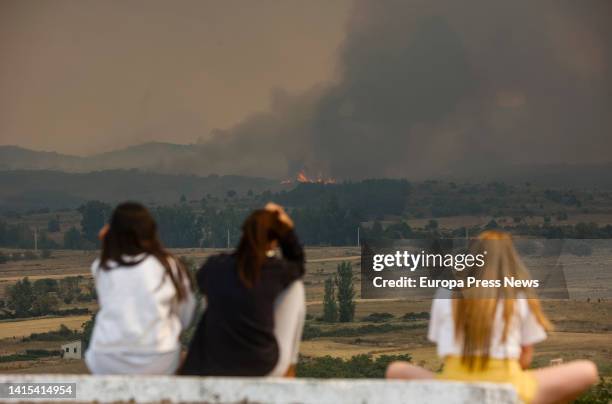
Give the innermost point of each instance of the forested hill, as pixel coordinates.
(152, 156)
(24, 190)
(180, 159)
(201, 211)
(370, 197)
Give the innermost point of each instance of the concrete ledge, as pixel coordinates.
(171, 389)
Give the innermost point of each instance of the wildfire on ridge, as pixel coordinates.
(302, 177)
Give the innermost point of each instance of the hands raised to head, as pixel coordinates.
(282, 215)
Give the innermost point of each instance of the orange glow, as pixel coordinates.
(302, 177)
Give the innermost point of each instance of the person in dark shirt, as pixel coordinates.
(235, 336)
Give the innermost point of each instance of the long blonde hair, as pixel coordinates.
(474, 311)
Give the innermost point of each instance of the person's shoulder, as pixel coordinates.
(218, 261)
(95, 266)
(442, 304)
(139, 265)
(443, 294)
(522, 305)
(150, 260)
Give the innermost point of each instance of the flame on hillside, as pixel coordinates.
(302, 177)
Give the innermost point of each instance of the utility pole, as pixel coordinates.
(36, 240)
(228, 238)
(358, 241)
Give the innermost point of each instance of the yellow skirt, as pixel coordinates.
(497, 371)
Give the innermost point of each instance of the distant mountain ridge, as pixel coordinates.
(17, 158)
(192, 159)
(575, 176)
(152, 156)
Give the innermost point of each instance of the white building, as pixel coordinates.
(72, 350)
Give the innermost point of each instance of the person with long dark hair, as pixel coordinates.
(145, 298)
(243, 331)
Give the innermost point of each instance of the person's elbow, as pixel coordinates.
(187, 310)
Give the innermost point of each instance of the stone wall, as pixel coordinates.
(170, 389)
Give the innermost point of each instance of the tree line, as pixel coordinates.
(402, 230)
(331, 214)
(44, 296)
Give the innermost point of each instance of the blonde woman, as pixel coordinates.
(488, 334)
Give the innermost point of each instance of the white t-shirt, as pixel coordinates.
(524, 330)
(139, 312)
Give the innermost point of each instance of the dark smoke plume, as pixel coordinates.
(429, 88)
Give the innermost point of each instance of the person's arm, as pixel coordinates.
(201, 276)
(289, 317)
(291, 248)
(293, 253)
(187, 308)
(293, 258)
(526, 356)
(532, 332)
(435, 316)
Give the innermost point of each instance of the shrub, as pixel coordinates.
(423, 315)
(345, 292)
(330, 307)
(44, 304)
(311, 332)
(598, 394)
(359, 366)
(21, 297)
(29, 355)
(378, 317)
(61, 334)
(87, 328)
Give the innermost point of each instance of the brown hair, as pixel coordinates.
(258, 231)
(474, 312)
(133, 231)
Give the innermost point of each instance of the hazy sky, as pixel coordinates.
(87, 76)
(428, 88)
(368, 88)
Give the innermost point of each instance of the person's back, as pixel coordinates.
(523, 329)
(235, 336)
(488, 333)
(138, 312)
(144, 296)
(498, 362)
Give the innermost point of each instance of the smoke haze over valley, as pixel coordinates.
(416, 89)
